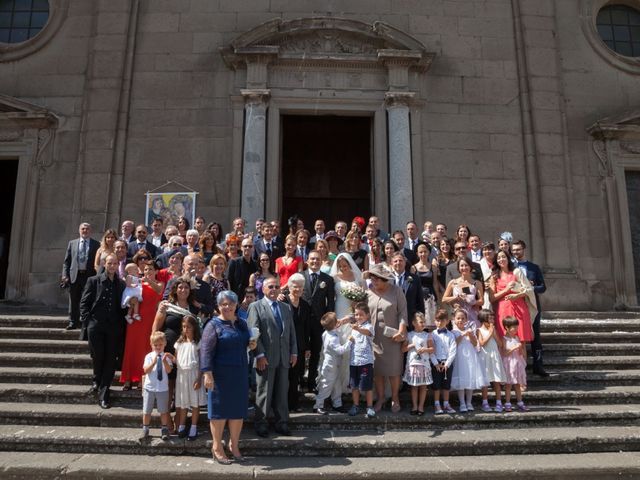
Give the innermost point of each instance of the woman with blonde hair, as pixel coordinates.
(106, 247)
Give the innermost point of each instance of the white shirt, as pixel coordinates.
(476, 255)
(362, 349)
(151, 382)
(445, 347)
(332, 349)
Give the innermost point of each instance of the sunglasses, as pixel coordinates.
(144, 258)
(460, 248)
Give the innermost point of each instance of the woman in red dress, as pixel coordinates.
(511, 291)
(289, 263)
(138, 332)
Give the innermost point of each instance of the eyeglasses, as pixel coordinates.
(144, 258)
(265, 260)
(177, 244)
(460, 248)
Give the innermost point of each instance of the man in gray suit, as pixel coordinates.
(276, 351)
(77, 267)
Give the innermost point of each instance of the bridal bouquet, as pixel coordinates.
(354, 293)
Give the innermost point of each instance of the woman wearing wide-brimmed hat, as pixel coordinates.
(388, 307)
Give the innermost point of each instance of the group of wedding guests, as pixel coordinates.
(328, 311)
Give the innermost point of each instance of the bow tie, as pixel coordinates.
(442, 330)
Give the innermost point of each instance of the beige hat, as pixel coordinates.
(378, 270)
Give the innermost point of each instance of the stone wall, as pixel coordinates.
(145, 96)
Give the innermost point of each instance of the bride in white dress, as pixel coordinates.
(345, 272)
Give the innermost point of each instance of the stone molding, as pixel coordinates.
(10, 52)
(588, 12)
(26, 133)
(616, 144)
(322, 40)
(399, 99)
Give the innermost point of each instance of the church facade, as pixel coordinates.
(501, 114)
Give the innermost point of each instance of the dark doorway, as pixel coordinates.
(326, 168)
(7, 198)
(633, 197)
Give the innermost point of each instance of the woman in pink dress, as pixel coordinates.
(138, 332)
(510, 291)
(288, 264)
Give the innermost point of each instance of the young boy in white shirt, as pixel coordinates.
(445, 347)
(329, 372)
(361, 362)
(155, 388)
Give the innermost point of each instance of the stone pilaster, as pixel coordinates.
(400, 174)
(254, 154)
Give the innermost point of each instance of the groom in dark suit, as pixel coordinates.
(275, 352)
(319, 292)
(78, 266)
(410, 285)
(103, 319)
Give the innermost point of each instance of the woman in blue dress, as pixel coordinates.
(223, 361)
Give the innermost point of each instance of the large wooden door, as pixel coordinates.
(326, 168)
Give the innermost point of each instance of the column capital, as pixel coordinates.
(399, 99)
(256, 96)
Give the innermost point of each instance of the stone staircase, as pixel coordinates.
(584, 420)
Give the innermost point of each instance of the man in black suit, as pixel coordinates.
(141, 242)
(157, 237)
(302, 248)
(266, 244)
(410, 285)
(77, 267)
(241, 268)
(103, 319)
(460, 250)
(319, 228)
(319, 292)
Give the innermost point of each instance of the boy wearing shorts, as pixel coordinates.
(155, 388)
(361, 362)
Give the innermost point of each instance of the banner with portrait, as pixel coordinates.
(169, 207)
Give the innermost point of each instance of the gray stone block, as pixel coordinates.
(113, 23)
(159, 22)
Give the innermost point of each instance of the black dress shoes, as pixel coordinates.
(71, 326)
(94, 388)
(283, 430)
(104, 404)
(540, 371)
(262, 432)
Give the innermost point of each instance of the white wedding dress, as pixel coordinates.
(343, 308)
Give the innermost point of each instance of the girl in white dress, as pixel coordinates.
(468, 370)
(345, 273)
(490, 345)
(189, 391)
(417, 374)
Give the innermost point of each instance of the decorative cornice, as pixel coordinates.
(256, 96)
(399, 99)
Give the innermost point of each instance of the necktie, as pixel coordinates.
(314, 280)
(82, 252)
(442, 330)
(159, 367)
(269, 248)
(399, 280)
(276, 315)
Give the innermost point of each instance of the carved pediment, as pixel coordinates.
(326, 39)
(18, 113)
(623, 126)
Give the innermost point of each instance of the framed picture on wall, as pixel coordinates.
(171, 206)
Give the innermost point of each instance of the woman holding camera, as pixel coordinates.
(464, 292)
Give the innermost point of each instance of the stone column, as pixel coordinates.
(400, 175)
(254, 155)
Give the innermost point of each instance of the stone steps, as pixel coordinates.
(590, 404)
(78, 394)
(83, 376)
(74, 346)
(575, 466)
(23, 413)
(426, 442)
